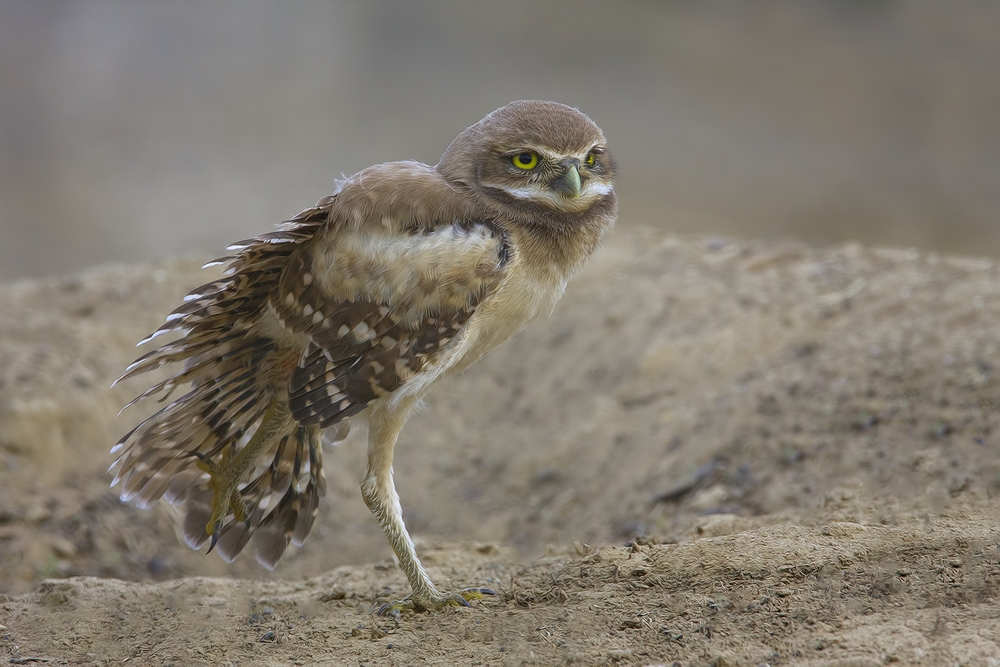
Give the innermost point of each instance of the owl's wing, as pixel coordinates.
(373, 306)
(371, 303)
(377, 305)
(227, 367)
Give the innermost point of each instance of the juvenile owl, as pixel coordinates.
(350, 311)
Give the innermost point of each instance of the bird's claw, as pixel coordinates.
(474, 593)
(413, 604)
(225, 496)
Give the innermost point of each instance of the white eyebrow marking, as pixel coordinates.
(592, 190)
(555, 157)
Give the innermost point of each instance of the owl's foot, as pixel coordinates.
(437, 603)
(233, 466)
(225, 494)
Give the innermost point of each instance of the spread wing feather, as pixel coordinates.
(337, 308)
(228, 368)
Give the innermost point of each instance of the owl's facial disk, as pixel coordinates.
(567, 182)
(533, 157)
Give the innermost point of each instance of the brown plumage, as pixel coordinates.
(350, 311)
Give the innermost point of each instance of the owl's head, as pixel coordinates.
(533, 156)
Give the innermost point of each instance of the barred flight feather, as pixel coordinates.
(224, 364)
(368, 322)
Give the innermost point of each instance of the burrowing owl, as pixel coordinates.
(351, 311)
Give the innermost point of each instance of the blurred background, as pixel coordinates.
(134, 130)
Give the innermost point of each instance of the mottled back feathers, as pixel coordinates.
(378, 306)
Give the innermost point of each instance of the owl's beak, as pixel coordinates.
(569, 183)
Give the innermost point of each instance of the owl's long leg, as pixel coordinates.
(380, 495)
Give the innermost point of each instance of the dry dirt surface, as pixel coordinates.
(713, 452)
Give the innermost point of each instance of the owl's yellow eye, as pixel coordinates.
(591, 160)
(525, 160)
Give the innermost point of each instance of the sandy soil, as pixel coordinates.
(714, 452)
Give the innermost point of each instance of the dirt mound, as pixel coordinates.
(798, 443)
(841, 594)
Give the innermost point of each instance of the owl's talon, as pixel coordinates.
(412, 604)
(215, 539)
(225, 495)
(201, 458)
(476, 593)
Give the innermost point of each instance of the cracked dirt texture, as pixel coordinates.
(713, 452)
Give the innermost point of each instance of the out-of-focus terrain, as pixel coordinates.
(134, 131)
(801, 443)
